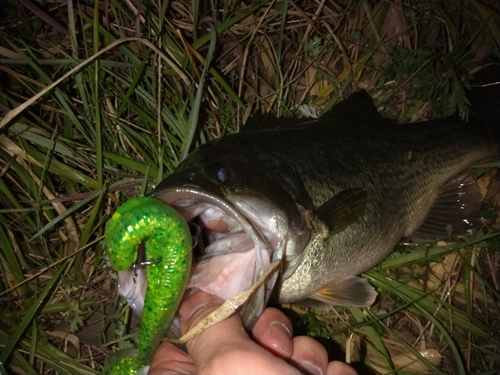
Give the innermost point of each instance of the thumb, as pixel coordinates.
(195, 308)
(212, 349)
(225, 348)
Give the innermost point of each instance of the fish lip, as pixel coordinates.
(174, 194)
(253, 308)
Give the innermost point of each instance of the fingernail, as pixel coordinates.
(282, 338)
(193, 304)
(278, 329)
(310, 368)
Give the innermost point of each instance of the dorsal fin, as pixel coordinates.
(269, 122)
(358, 104)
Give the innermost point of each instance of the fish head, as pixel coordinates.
(249, 216)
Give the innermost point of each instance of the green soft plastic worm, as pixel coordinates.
(166, 236)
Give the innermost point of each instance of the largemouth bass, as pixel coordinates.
(329, 197)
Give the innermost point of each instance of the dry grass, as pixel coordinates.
(118, 124)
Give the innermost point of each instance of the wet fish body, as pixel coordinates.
(402, 169)
(330, 197)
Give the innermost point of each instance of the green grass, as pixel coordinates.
(101, 100)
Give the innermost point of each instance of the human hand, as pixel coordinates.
(226, 348)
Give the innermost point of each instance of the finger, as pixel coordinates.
(194, 302)
(273, 331)
(169, 359)
(309, 355)
(340, 368)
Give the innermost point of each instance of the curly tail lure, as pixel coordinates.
(168, 252)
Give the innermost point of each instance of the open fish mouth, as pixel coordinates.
(232, 250)
(243, 239)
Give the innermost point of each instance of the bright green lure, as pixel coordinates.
(167, 236)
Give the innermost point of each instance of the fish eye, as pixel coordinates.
(223, 175)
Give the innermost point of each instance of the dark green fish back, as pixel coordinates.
(401, 168)
(391, 174)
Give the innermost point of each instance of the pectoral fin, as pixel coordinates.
(355, 291)
(342, 210)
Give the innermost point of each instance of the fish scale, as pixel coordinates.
(300, 173)
(400, 190)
